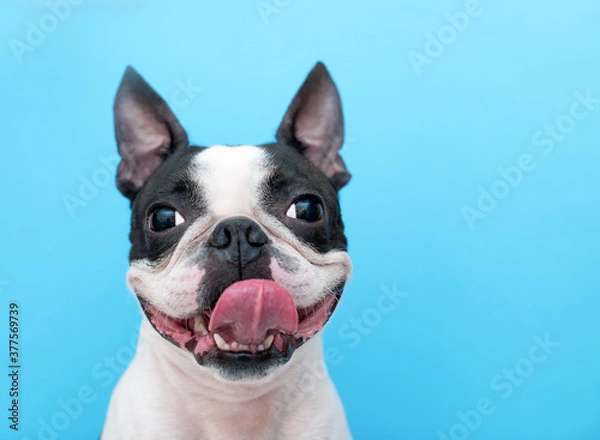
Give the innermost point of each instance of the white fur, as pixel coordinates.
(230, 178)
(164, 394)
(315, 274)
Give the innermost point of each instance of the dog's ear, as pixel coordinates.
(314, 125)
(147, 132)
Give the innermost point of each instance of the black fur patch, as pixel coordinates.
(293, 176)
(168, 186)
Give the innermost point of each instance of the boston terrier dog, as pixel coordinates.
(238, 259)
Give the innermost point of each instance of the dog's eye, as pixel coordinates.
(164, 218)
(308, 208)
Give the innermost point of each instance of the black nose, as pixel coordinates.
(238, 240)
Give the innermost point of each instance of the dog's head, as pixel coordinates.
(238, 253)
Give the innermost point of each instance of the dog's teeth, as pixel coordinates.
(244, 347)
(220, 342)
(268, 341)
(252, 347)
(234, 345)
(199, 325)
(261, 347)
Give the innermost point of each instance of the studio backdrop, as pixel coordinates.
(472, 132)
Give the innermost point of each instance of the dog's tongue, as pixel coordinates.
(248, 309)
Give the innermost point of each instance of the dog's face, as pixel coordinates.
(238, 252)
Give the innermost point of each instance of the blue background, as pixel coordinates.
(422, 142)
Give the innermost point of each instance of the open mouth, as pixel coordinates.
(253, 320)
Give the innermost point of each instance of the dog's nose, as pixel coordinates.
(238, 240)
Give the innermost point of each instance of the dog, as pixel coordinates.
(238, 259)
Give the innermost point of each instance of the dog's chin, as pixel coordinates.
(245, 365)
(234, 361)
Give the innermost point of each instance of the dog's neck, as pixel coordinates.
(217, 404)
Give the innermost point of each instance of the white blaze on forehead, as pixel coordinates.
(230, 178)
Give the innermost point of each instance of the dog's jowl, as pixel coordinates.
(238, 259)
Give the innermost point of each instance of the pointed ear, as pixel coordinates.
(314, 125)
(147, 132)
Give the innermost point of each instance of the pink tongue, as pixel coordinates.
(248, 309)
